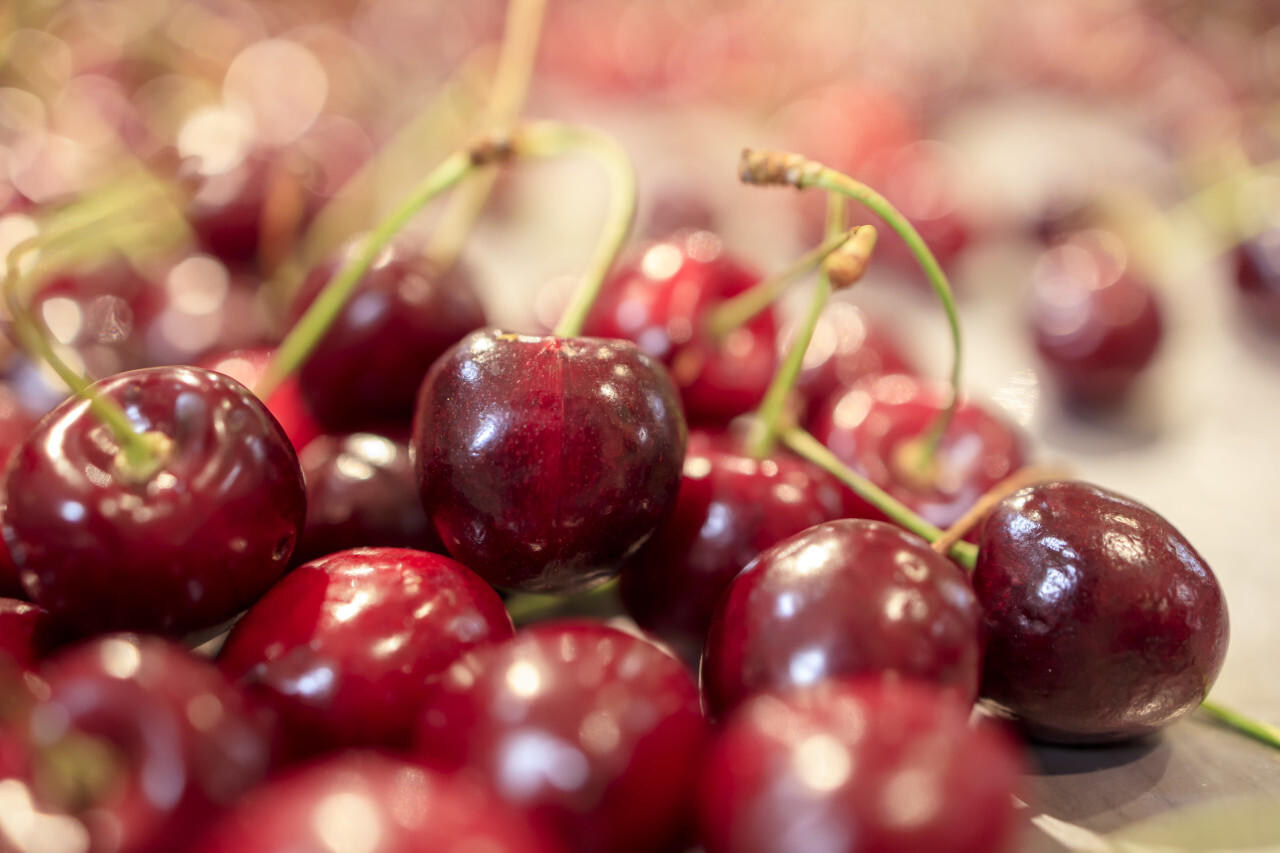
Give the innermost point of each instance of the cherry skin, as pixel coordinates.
(187, 546)
(286, 405)
(591, 729)
(344, 648)
(365, 371)
(1257, 277)
(660, 301)
(15, 422)
(545, 462)
(376, 803)
(871, 426)
(1096, 323)
(730, 508)
(860, 766)
(843, 598)
(173, 742)
(26, 634)
(362, 492)
(1102, 622)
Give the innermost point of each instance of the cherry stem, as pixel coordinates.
(808, 447)
(738, 310)
(1018, 480)
(526, 608)
(788, 169)
(768, 418)
(1256, 729)
(511, 80)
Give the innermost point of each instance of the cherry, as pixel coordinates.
(1102, 622)
(144, 741)
(660, 300)
(344, 648)
(872, 426)
(15, 422)
(592, 729)
(544, 462)
(26, 634)
(730, 508)
(105, 546)
(361, 491)
(1095, 321)
(365, 371)
(286, 405)
(373, 803)
(843, 598)
(1257, 277)
(864, 765)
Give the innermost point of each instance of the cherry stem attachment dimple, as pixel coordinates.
(808, 447)
(795, 170)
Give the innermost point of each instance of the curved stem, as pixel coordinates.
(808, 447)
(785, 168)
(310, 328)
(548, 138)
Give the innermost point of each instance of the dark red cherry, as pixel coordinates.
(730, 508)
(594, 730)
(344, 648)
(874, 428)
(1102, 622)
(286, 405)
(545, 462)
(26, 633)
(1257, 276)
(365, 371)
(843, 598)
(371, 803)
(362, 492)
(183, 547)
(144, 741)
(1095, 321)
(660, 300)
(15, 422)
(865, 766)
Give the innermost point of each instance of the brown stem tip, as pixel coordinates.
(783, 168)
(492, 149)
(847, 265)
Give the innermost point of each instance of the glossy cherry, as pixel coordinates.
(1257, 278)
(153, 740)
(544, 462)
(873, 426)
(286, 405)
(365, 371)
(1096, 322)
(843, 598)
(860, 766)
(15, 422)
(730, 508)
(26, 633)
(344, 648)
(660, 300)
(361, 492)
(1102, 622)
(374, 803)
(591, 729)
(184, 547)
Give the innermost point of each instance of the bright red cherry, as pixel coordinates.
(591, 729)
(1102, 622)
(1096, 322)
(372, 803)
(874, 427)
(179, 548)
(843, 598)
(1257, 276)
(865, 766)
(344, 648)
(143, 741)
(362, 492)
(660, 300)
(365, 371)
(731, 507)
(545, 462)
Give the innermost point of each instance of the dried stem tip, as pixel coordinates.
(492, 149)
(848, 264)
(777, 167)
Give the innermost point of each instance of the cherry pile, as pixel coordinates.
(305, 553)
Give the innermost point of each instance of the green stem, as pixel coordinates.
(737, 311)
(775, 167)
(1256, 729)
(310, 328)
(547, 137)
(526, 608)
(808, 447)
